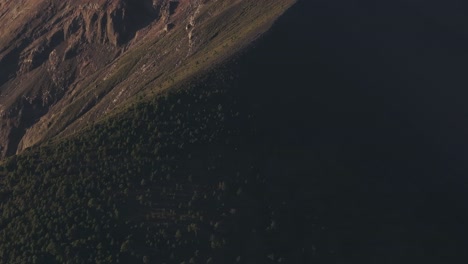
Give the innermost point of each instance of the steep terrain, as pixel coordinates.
(168, 181)
(133, 172)
(338, 137)
(65, 64)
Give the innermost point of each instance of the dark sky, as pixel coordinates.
(377, 90)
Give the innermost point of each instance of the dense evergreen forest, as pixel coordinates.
(174, 179)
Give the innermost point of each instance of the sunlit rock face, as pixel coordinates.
(65, 63)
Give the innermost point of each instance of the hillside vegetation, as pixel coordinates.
(179, 170)
(171, 180)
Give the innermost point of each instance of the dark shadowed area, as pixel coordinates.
(361, 108)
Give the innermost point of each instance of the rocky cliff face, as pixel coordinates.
(67, 63)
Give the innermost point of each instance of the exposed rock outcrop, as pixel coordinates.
(65, 63)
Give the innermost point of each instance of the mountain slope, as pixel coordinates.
(176, 179)
(65, 64)
(149, 186)
(180, 177)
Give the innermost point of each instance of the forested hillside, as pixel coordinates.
(336, 137)
(173, 179)
(179, 175)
